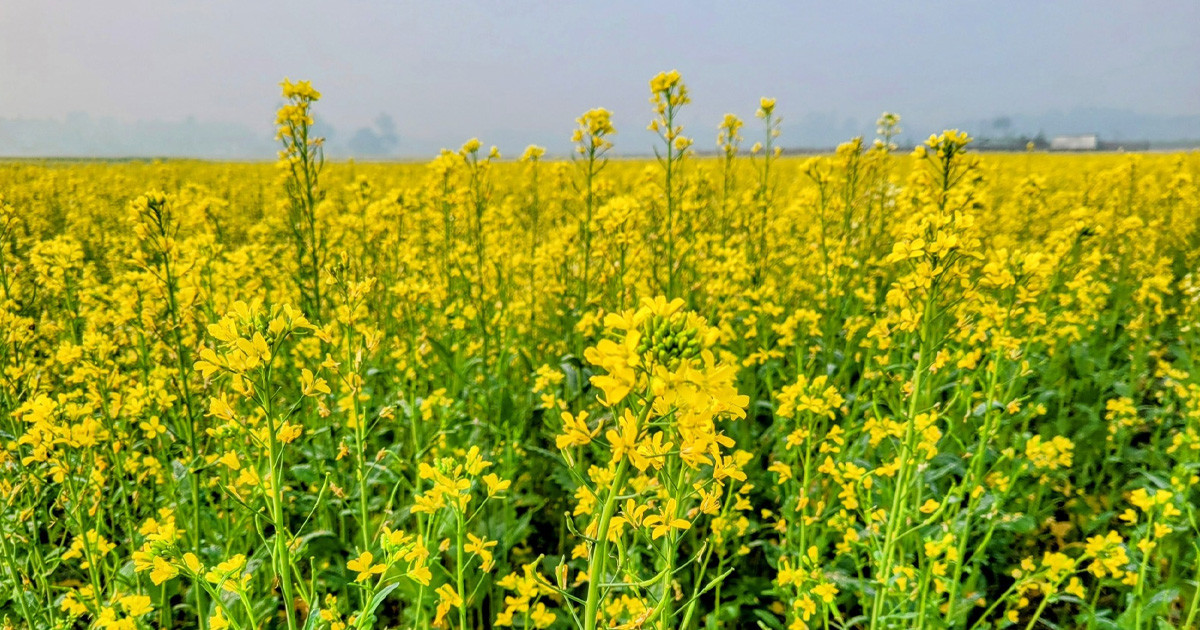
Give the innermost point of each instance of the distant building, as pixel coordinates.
(1080, 142)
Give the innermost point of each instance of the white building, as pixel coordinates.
(1079, 142)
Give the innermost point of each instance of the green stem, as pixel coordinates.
(596, 569)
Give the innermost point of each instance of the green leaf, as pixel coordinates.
(1020, 525)
(314, 615)
(368, 614)
(1161, 598)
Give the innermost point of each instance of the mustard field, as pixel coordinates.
(873, 389)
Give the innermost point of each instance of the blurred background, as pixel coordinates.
(401, 80)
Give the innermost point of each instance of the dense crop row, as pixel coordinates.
(865, 390)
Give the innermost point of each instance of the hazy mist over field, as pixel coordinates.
(136, 77)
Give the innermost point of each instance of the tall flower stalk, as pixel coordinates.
(668, 95)
(301, 160)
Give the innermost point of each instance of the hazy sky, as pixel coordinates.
(446, 70)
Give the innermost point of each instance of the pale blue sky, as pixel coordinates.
(518, 72)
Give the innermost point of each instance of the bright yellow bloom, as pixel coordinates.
(481, 547)
(363, 565)
(662, 522)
